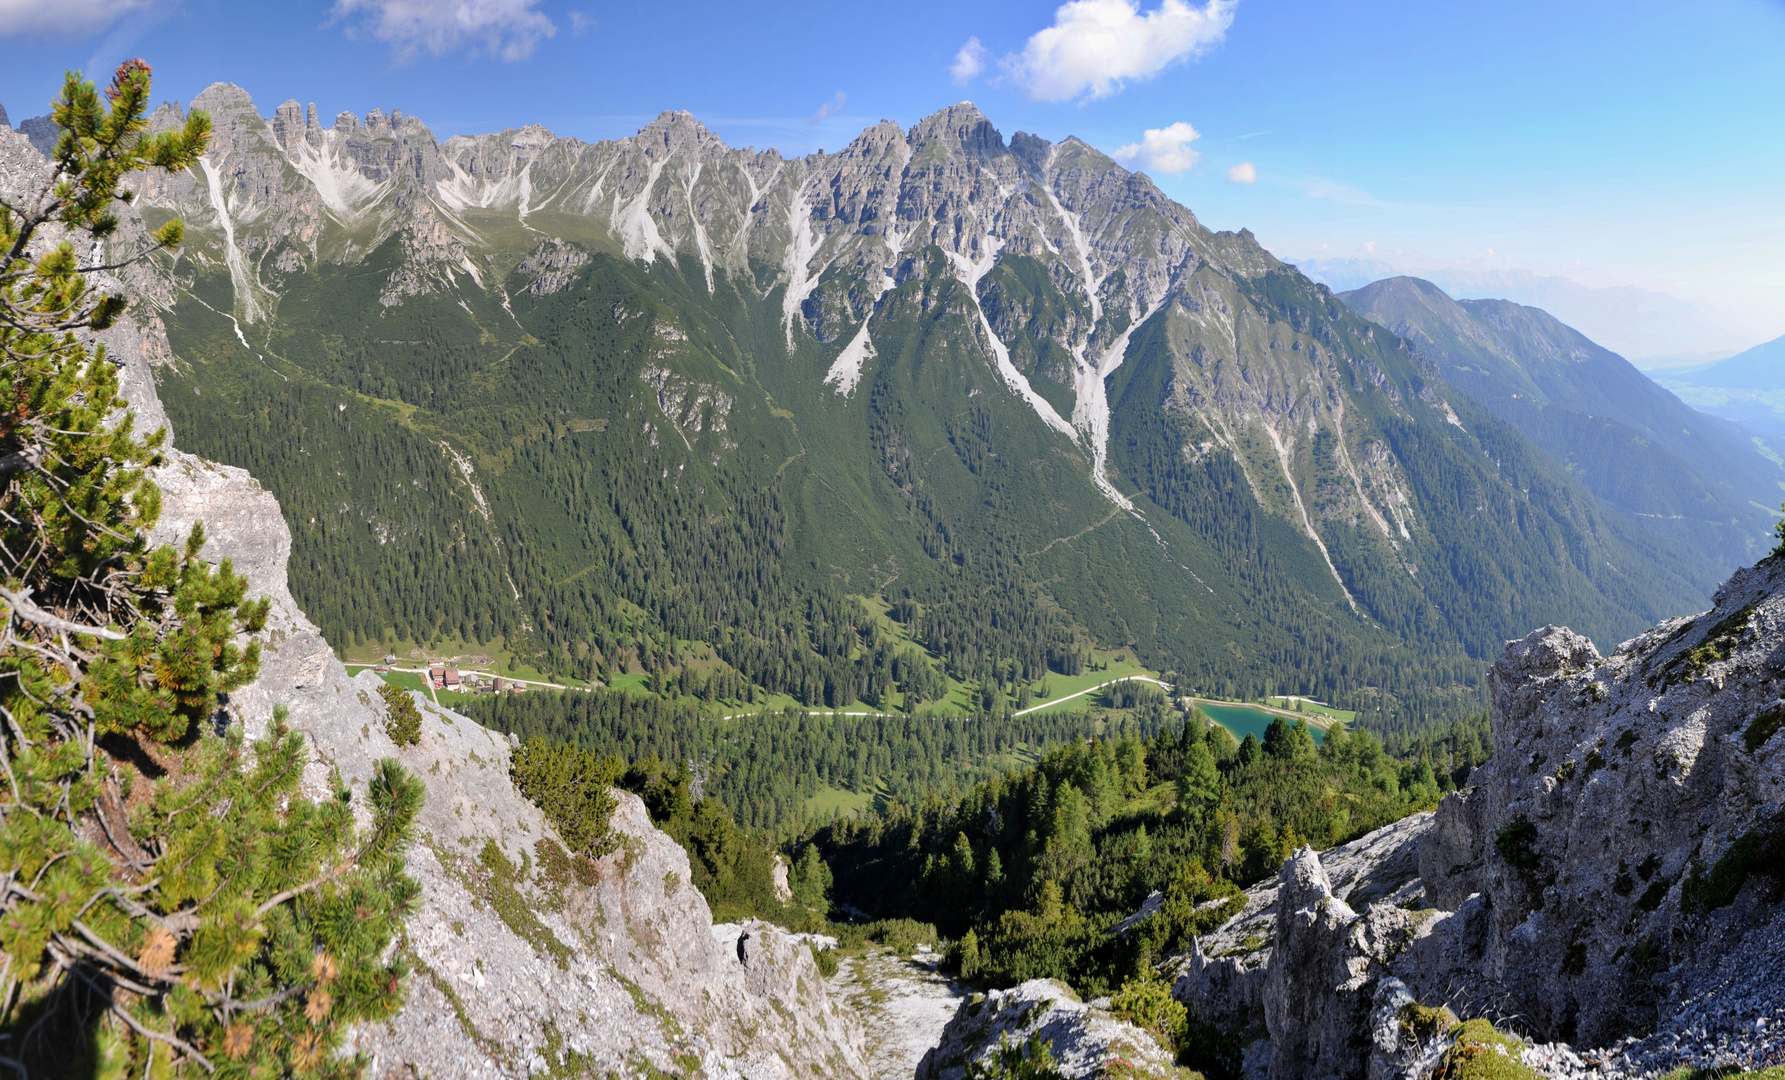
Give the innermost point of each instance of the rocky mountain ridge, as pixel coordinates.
(885, 323)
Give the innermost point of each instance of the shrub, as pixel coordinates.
(1759, 852)
(572, 787)
(1517, 844)
(1764, 727)
(1482, 1053)
(1146, 1002)
(1032, 1060)
(402, 720)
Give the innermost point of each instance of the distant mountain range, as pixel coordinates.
(637, 402)
(1648, 327)
(1696, 479)
(1760, 368)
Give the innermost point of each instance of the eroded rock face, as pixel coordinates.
(1224, 980)
(1084, 1039)
(1614, 871)
(1620, 836)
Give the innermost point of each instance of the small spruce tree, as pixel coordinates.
(170, 903)
(402, 720)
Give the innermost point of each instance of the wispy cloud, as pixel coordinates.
(828, 108)
(1095, 46)
(1243, 173)
(968, 63)
(581, 22)
(511, 29)
(64, 18)
(1164, 150)
(1341, 192)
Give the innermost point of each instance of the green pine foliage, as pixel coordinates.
(402, 720)
(171, 903)
(732, 868)
(1031, 1060)
(571, 785)
(1038, 865)
(764, 768)
(1146, 1002)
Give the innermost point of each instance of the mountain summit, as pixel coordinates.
(585, 397)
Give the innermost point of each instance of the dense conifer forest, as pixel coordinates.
(615, 476)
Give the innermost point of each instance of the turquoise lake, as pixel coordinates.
(1243, 720)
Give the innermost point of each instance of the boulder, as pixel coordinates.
(1085, 1040)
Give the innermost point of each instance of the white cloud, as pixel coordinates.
(828, 107)
(1243, 173)
(581, 22)
(506, 28)
(63, 18)
(1094, 45)
(1165, 150)
(968, 63)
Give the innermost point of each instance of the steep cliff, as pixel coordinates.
(1609, 882)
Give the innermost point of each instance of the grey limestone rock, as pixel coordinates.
(1084, 1038)
(1223, 979)
(1609, 881)
(520, 968)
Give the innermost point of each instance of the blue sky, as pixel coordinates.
(1636, 143)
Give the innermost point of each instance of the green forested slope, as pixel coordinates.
(1675, 477)
(594, 474)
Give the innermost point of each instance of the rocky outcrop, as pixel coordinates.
(1085, 1040)
(1626, 836)
(1610, 879)
(524, 960)
(1225, 978)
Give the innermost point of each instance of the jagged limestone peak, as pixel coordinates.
(957, 130)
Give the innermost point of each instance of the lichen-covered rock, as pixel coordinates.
(1085, 1041)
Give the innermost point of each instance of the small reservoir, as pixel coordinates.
(1244, 720)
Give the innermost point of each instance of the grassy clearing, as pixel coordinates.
(1111, 666)
(1308, 709)
(834, 802)
(412, 655)
(406, 680)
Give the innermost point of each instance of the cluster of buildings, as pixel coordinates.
(442, 676)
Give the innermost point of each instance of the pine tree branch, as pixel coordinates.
(148, 1033)
(23, 608)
